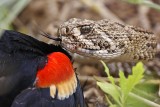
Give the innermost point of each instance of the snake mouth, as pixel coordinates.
(75, 48)
(92, 53)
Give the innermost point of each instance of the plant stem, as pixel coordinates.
(13, 12)
(150, 103)
(151, 4)
(148, 3)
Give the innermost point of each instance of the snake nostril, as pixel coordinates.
(67, 29)
(64, 31)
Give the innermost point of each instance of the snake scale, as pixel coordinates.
(107, 40)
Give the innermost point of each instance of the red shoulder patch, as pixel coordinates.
(58, 69)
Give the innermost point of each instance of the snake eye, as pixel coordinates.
(85, 29)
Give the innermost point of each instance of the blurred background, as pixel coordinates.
(31, 16)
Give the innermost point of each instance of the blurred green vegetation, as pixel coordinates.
(148, 3)
(9, 9)
(125, 93)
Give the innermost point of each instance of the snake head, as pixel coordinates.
(73, 33)
(105, 39)
(87, 38)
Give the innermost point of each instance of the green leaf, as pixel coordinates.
(123, 84)
(114, 105)
(125, 96)
(111, 79)
(148, 91)
(110, 89)
(148, 3)
(137, 71)
(9, 9)
(135, 1)
(106, 69)
(127, 84)
(135, 100)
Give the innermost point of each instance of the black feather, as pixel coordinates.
(20, 58)
(34, 97)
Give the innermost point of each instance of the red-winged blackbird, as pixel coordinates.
(36, 74)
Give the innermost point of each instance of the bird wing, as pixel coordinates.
(17, 48)
(36, 97)
(20, 57)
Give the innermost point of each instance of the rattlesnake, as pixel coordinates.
(107, 40)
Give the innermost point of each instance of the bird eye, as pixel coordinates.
(85, 29)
